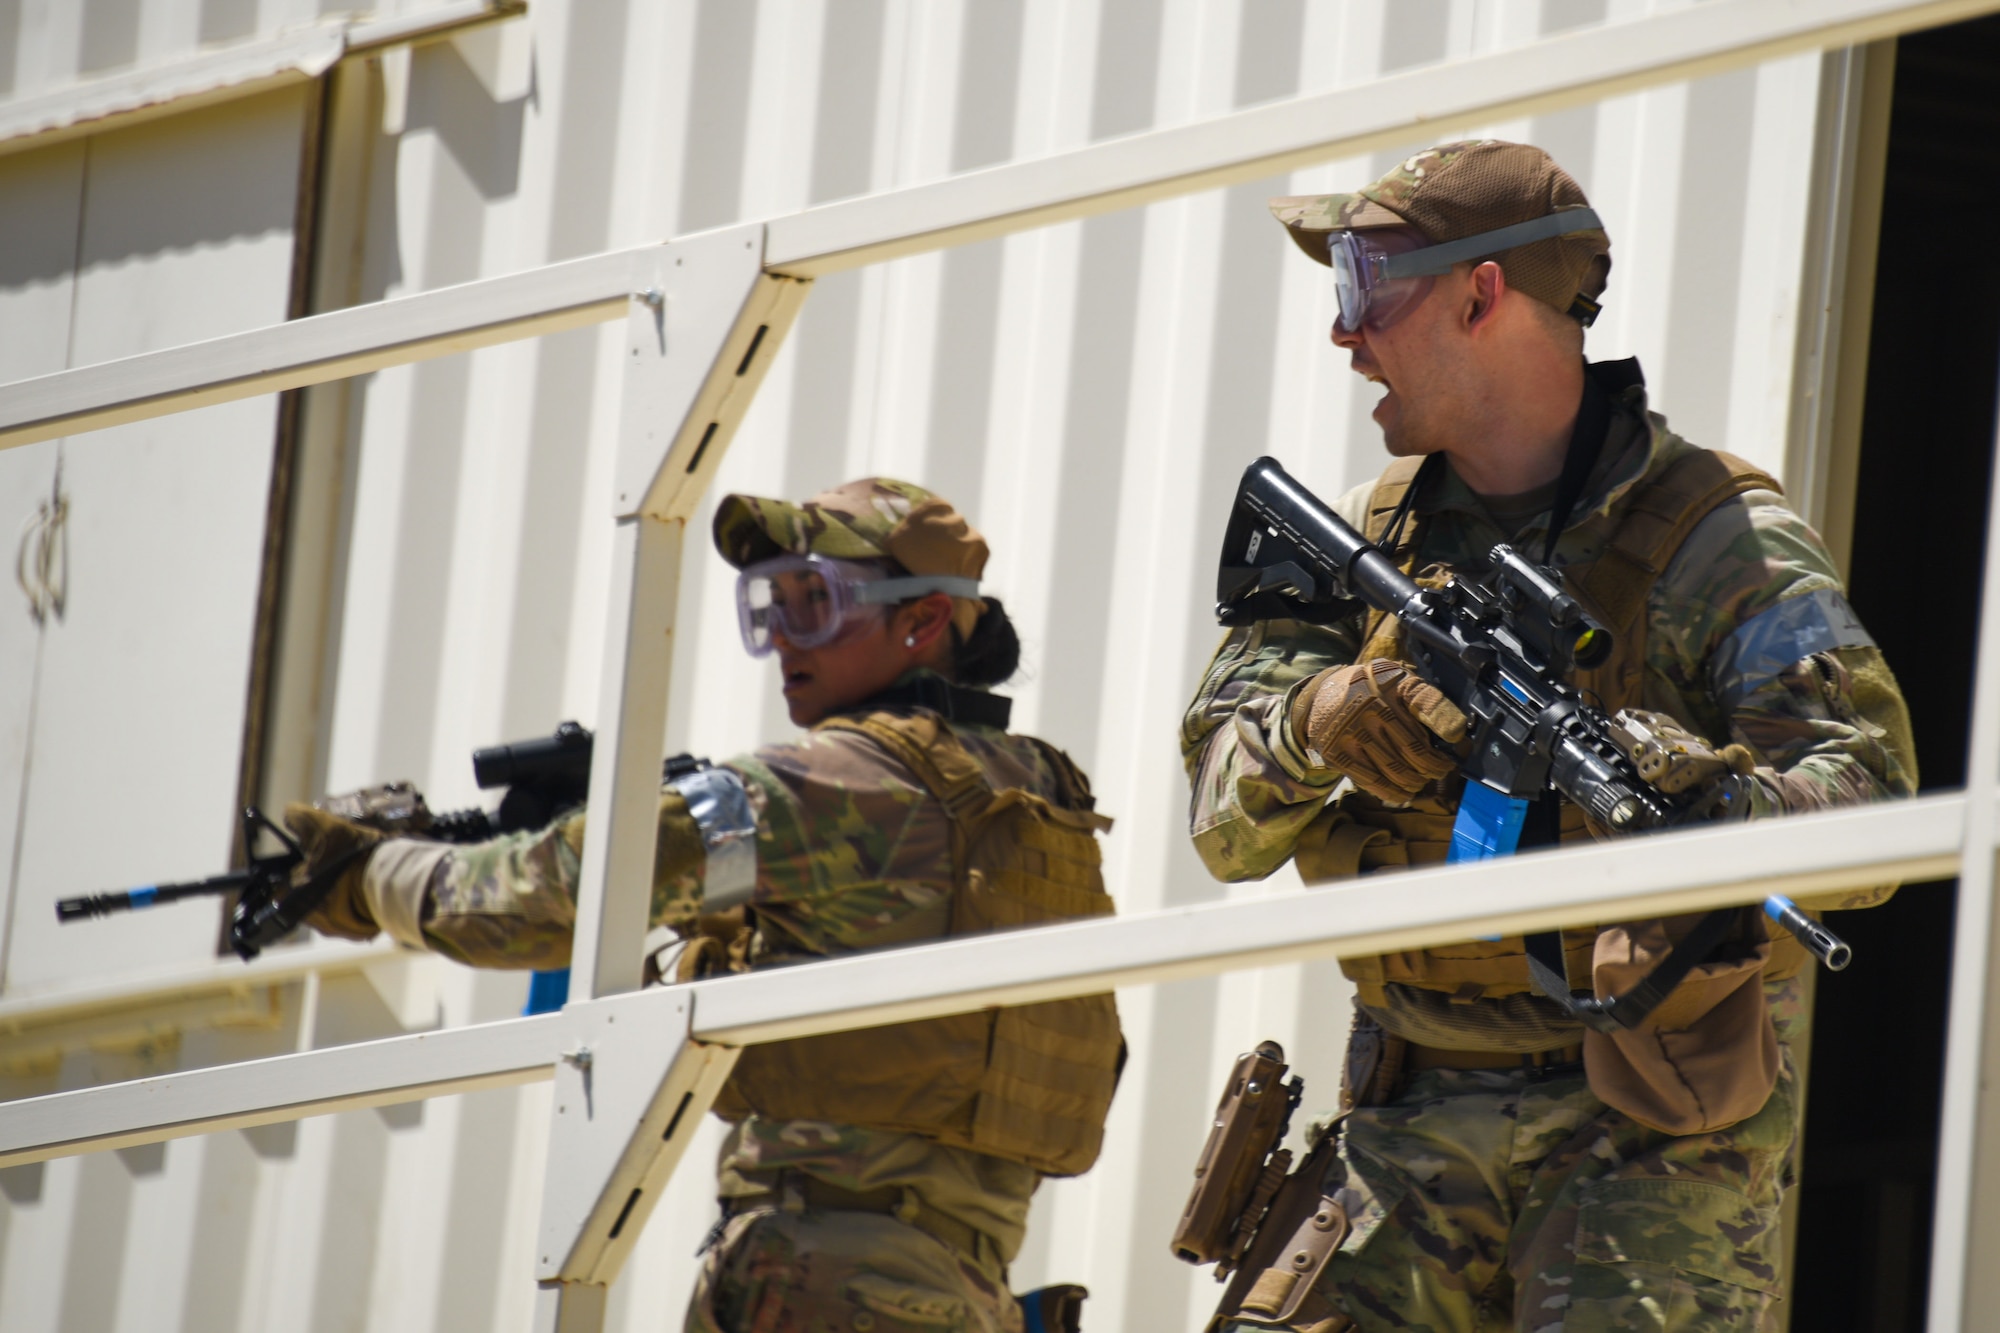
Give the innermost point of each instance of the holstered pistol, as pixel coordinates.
(1242, 1164)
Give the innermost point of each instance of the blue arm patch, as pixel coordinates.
(1768, 643)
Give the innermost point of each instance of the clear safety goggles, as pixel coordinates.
(1379, 274)
(812, 599)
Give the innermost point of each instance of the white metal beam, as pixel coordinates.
(325, 347)
(283, 1087)
(697, 344)
(1916, 839)
(1626, 880)
(324, 956)
(630, 1092)
(1557, 71)
(1586, 65)
(222, 74)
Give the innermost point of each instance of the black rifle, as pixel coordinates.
(1499, 642)
(543, 778)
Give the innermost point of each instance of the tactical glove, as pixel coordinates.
(1673, 758)
(340, 847)
(1378, 723)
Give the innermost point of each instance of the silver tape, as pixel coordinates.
(721, 809)
(1766, 645)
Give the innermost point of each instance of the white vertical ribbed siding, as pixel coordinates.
(1129, 365)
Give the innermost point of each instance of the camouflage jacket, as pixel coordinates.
(1751, 581)
(853, 853)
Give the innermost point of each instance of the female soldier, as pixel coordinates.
(872, 1179)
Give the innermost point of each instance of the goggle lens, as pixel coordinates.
(1348, 283)
(809, 599)
(796, 603)
(1364, 296)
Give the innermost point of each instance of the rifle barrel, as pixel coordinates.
(1826, 946)
(149, 895)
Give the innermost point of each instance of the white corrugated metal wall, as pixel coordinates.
(1088, 393)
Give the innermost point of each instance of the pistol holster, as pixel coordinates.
(1277, 1285)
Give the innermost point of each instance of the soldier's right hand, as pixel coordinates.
(337, 846)
(1378, 723)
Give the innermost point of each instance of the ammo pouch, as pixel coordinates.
(1031, 1083)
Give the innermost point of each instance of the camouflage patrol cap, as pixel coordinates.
(874, 518)
(1456, 190)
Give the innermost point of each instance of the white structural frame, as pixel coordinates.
(224, 74)
(704, 317)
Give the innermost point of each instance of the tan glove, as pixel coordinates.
(327, 839)
(1374, 721)
(1670, 756)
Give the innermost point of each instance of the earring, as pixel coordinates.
(909, 641)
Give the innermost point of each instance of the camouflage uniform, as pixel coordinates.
(853, 853)
(1516, 1199)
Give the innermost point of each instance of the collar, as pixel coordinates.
(952, 702)
(1611, 447)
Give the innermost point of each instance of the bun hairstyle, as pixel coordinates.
(988, 656)
(991, 653)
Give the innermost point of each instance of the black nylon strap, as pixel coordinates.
(953, 703)
(1586, 442)
(1547, 962)
(1633, 1007)
(1426, 472)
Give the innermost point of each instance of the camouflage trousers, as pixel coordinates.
(1497, 1200)
(825, 1271)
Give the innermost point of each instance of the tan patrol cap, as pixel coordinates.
(1457, 190)
(870, 519)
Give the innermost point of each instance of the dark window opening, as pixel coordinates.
(1869, 1165)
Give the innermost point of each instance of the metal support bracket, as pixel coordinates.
(629, 1093)
(704, 324)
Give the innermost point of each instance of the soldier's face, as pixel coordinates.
(874, 648)
(861, 660)
(1418, 359)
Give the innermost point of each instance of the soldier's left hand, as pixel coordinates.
(1671, 757)
(337, 846)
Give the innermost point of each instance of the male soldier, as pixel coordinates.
(1501, 1166)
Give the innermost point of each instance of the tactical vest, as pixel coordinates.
(1357, 833)
(1031, 1083)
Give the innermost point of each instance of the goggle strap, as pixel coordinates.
(1435, 259)
(889, 591)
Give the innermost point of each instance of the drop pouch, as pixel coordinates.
(1707, 1057)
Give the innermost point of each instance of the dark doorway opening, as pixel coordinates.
(1871, 1132)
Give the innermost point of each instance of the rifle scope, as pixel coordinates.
(566, 754)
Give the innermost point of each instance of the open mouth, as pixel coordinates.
(796, 678)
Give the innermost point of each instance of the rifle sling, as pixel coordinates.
(1635, 1005)
(1546, 967)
